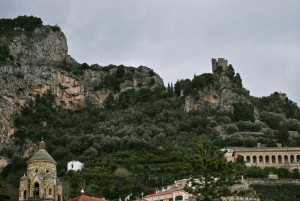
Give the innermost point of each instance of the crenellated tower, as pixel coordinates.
(220, 65)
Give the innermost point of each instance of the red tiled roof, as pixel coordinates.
(87, 198)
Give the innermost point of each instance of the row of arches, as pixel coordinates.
(276, 159)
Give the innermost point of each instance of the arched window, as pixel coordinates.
(36, 190)
(261, 160)
(178, 198)
(25, 194)
(286, 159)
(273, 159)
(50, 191)
(267, 159)
(254, 159)
(248, 159)
(292, 158)
(279, 159)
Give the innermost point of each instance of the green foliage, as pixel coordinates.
(201, 81)
(110, 102)
(231, 128)
(283, 173)
(238, 80)
(55, 28)
(22, 23)
(282, 135)
(243, 112)
(113, 80)
(278, 103)
(230, 72)
(191, 87)
(249, 126)
(272, 119)
(277, 192)
(211, 174)
(145, 131)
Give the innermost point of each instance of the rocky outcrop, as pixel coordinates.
(43, 46)
(38, 62)
(223, 93)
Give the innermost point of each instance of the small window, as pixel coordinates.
(178, 198)
(72, 166)
(36, 170)
(47, 171)
(50, 191)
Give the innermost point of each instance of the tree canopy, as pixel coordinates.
(211, 174)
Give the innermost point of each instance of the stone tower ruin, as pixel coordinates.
(220, 63)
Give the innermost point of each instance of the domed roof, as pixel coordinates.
(24, 177)
(41, 155)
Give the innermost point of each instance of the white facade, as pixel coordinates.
(75, 165)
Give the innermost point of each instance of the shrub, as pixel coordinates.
(249, 126)
(272, 119)
(231, 128)
(243, 112)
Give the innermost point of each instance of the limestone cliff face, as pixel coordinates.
(42, 46)
(37, 64)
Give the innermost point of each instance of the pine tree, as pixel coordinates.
(211, 174)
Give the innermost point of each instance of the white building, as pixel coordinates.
(75, 165)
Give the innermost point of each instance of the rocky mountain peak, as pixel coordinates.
(34, 60)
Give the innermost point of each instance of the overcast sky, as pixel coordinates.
(260, 38)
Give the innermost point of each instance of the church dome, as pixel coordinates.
(41, 155)
(24, 177)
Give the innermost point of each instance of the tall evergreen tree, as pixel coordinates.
(211, 174)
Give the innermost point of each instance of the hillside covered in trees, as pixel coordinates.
(133, 133)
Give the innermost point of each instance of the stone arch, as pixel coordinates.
(59, 197)
(279, 159)
(292, 158)
(254, 159)
(286, 159)
(260, 159)
(248, 160)
(267, 159)
(298, 158)
(273, 159)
